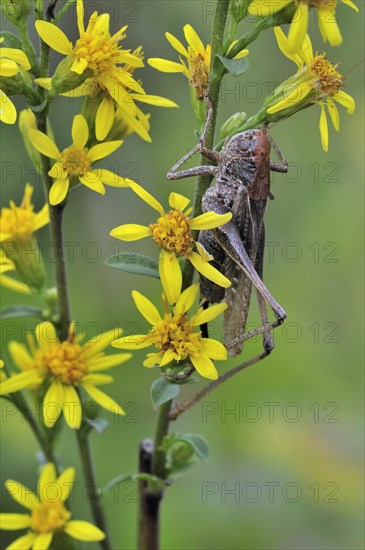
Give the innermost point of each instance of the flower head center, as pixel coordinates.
(172, 233)
(176, 333)
(18, 222)
(48, 517)
(75, 161)
(199, 66)
(328, 80)
(100, 50)
(66, 362)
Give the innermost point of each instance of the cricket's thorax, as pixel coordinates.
(246, 160)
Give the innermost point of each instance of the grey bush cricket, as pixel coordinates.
(242, 186)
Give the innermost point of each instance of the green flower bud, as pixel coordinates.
(199, 106)
(28, 262)
(233, 124)
(27, 121)
(16, 10)
(65, 80)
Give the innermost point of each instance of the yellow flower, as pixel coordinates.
(198, 59)
(12, 61)
(19, 223)
(326, 10)
(9, 282)
(17, 227)
(99, 51)
(74, 163)
(47, 514)
(316, 81)
(172, 233)
(174, 334)
(64, 366)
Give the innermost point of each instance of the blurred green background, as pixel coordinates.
(285, 469)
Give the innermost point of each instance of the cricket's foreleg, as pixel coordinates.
(281, 166)
(174, 174)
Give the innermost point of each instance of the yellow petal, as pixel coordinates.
(82, 530)
(210, 220)
(10, 522)
(42, 218)
(166, 66)
(297, 95)
(80, 16)
(209, 314)
(54, 37)
(298, 28)
(328, 25)
(64, 483)
(16, 55)
(27, 379)
(91, 180)
(58, 191)
(103, 150)
(351, 5)
(21, 494)
(214, 349)
(7, 111)
(345, 100)
(112, 179)
(205, 367)
(178, 202)
(104, 118)
(20, 355)
(79, 65)
(242, 54)
(156, 100)
(58, 171)
(43, 541)
(323, 128)
(334, 114)
(12, 284)
(283, 46)
(176, 44)
(98, 343)
(132, 342)
(131, 232)
(23, 543)
(80, 131)
(193, 39)
(170, 275)
(147, 197)
(45, 83)
(103, 399)
(187, 299)
(97, 379)
(146, 308)
(104, 363)
(208, 271)
(44, 144)
(53, 403)
(46, 478)
(8, 68)
(72, 410)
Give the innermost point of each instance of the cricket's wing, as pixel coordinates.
(238, 300)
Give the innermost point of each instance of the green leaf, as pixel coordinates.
(235, 66)
(154, 482)
(162, 390)
(198, 444)
(21, 311)
(134, 263)
(11, 40)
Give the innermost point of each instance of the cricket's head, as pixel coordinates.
(253, 144)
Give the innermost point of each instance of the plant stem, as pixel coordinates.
(23, 408)
(63, 10)
(148, 538)
(92, 486)
(56, 219)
